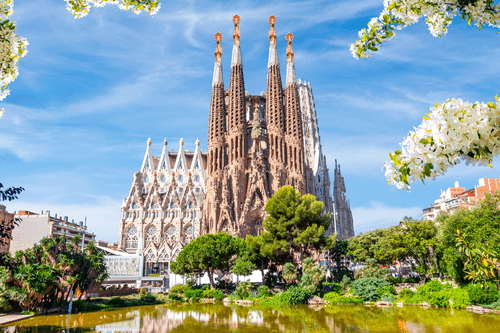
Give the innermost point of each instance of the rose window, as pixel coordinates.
(171, 235)
(131, 241)
(151, 234)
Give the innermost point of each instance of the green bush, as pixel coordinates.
(179, 289)
(368, 288)
(296, 295)
(263, 291)
(149, 299)
(394, 280)
(336, 287)
(244, 290)
(460, 298)
(193, 294)
(335, 298)
(174, 297)
(117, 302)
(493, 306)
(438, 294)
(405, 293)
(486, 294)
(213, 293)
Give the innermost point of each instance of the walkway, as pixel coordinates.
(10, 318)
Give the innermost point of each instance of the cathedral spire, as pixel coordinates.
(290, 67)
(273, 52)
(217, 79)
(236, 59)
(147, 163)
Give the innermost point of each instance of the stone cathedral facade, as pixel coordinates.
(256, 144)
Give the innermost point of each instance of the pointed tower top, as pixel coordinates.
(181, 142)
(236, 58)
(218, 47)
(290, 68)
(273, 52)
(165, 142)
(149, 142)
(236, 34)
(272, 32)
(197, 141)
(289, 50)
(217, 79)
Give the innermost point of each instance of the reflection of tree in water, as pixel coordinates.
(201, 318)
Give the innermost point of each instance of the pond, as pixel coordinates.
(219, 318)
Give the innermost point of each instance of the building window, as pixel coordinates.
(131, 241)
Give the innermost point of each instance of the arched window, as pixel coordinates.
(163, 179)
(131, 240)
(190, 205)
(163, 255)
(146, 180)
(133, 205)
(151, 234)
(153, 206)
(172, 205)
(181, 178)
(197, 177)
(150, 256)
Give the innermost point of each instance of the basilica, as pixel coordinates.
(256, 144)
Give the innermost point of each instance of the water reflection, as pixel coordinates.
(220, 318)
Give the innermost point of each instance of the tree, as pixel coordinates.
(338, 254)
(208, 253)
(47, 273)
(453, 130)
(363, 246)
(289, 273)
(14, 47)
(294, 227)
(482, 264)
(480, 224)
(6, 227)
(312, 275)
(254, 246)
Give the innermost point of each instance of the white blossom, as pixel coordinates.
(439, 14)
(452, 131)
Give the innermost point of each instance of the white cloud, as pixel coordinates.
(378, 215)
(103, 217)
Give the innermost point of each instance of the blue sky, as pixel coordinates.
(91, 92)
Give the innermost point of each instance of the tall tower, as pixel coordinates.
(237, 128)
(343, 215)
(275, 114)
(217, 153)
(294, 143)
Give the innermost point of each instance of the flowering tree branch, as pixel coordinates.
(399, 14)
(451, 132)
(13, 47)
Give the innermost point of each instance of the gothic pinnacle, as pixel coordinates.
(273, 52)
(236, 58)
(290, 67)
(218, 66)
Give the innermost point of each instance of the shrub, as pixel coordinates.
(335, 298)
(150, 299)
(193, 294)
(460, 298)
(368, 288)
(244, 290)
(213, 293)
(174, 297)
(117, 302)
(143, 292)
(296, 295)
(313, 275)
(482, 295)
(263, 291)
(334, 286)
(179, 289)
(405, 293)
(394, 280)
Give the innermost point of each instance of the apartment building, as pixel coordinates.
(458, 197)
(35, 226)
